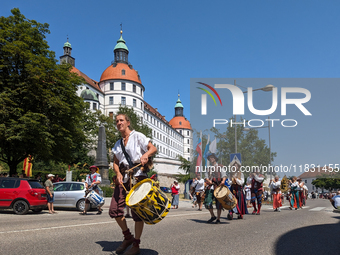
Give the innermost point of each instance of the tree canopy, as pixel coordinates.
(40, 112)
(254, 151)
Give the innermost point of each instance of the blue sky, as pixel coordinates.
(173, 41)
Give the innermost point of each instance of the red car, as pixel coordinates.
(22, 195)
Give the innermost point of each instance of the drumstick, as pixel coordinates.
(123, 186)
(128, 171)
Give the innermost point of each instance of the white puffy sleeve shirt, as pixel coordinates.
(136, 146)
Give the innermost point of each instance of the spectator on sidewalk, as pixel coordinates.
(57, 179)
(175, 194)
(50, 193)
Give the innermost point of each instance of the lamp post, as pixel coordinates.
(270, 149)
(267, 88)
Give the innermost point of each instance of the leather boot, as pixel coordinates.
(134, 250)
(124, 245)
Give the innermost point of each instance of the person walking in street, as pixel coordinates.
(50, 193)
(132, 149)
(198, 184)
(91, 183)
(216, 177)
(236, 183)
(175, 194)
(275, 186)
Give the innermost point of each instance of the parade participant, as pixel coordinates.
(335, 201)
(236, 188)
(301, 193)
(247, 191)
(276, 193)
(216, 177)
(256, 191)
(137, 148)
(305, 190)
(198, 184)
(91, 183)
(294, 190)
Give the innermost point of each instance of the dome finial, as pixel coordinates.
(121, 28)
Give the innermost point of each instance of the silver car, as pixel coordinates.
(71, 194)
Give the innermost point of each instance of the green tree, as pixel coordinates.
(40, 112)
(135, 120)
(254, 151)
(186, 165)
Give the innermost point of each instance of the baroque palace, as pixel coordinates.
(120, 84)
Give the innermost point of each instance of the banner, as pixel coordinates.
(27, 167)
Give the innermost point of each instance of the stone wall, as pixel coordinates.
(165, 180)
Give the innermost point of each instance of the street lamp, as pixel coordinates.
(267, 88)
(270, 149)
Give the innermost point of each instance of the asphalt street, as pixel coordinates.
(313, 230)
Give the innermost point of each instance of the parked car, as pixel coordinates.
(165, 189)
(71, 194)
(22, 195)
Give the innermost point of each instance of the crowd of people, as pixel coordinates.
(248, 193)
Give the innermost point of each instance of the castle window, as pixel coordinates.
(123, 72)
(134, 102)
(94, 106)
(180, 122)
(134, 88)
(141, 106)
(123, 86)
(110, 100)
(111, 86)
(123, 100)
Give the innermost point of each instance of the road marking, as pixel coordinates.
(87, 224)
(317, 209)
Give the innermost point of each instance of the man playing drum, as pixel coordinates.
(216, 177)
(138, 148)
(91, 182)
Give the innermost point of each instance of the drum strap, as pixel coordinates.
(126, 154)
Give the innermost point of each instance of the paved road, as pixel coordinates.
(315, 229)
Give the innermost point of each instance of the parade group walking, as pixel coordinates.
(249, 194)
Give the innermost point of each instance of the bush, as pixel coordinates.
(107, 190)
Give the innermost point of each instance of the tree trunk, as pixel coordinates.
(12, 168)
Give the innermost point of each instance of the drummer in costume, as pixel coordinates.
(276, 192)
(91, 182)
(138, 148)
(216, 177)
(236, 188)
(256, 180)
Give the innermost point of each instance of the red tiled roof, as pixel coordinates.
(88, 80)
(154, 112)
(180, 122)
(317, 172)
(115, 73)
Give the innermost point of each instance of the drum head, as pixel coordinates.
(139, 191)
(221, 192)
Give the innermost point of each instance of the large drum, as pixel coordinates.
(148, 202)
(95, 198)
(225, 197)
